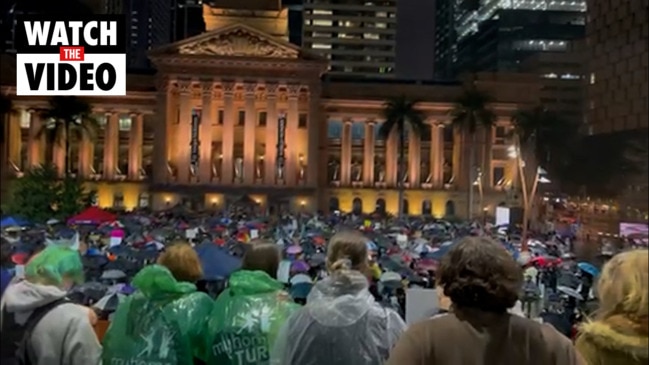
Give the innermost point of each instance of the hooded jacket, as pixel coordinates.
(158, 295)
(64, 335)
(247, 318)
(614, 341)
(341, 324)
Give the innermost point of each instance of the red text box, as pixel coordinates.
(71, 54)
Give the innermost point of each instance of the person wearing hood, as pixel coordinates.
(39, 324)
(341, 323)
(164, 321)
(248, 315)
(5, 265)
(619, 334)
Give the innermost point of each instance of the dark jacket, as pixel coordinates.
(476, 337)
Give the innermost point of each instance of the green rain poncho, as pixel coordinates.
(163, 323)
(246, 319)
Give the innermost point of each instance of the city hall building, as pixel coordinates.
(238, 113)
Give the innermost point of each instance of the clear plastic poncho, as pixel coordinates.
(341, 324)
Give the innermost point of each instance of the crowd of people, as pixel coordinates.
(167, 314)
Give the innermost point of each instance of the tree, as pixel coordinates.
(6, 109)
(68, 116)
(40, 195)
(471, 112)
(543, 142)
(401, 114)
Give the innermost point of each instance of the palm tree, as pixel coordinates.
(469, 113)
(400, 114)
(6, 109)
(68, 116)
(541, 139)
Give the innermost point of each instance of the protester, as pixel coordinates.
(164, 321)
(248, 315)
(341, 322)
(5, 265)
(483, 281)
(619, 334)
(36, 313)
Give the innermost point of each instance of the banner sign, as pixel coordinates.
(195, 143)
(82, 56)
(281, 139)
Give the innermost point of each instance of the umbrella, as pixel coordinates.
(113, 275)
(13, 222)
(317, 259)
(301, 290)
(110, 302)
(570, 292)
(299, 266)
(300, 279)
(217, 263)
(371, 246)
(294, 250)
(588, 268)
(391, 280)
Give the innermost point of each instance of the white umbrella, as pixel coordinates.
(570, 292)
(109, 302)
(390, 276)
(52, 221)
(301, 279)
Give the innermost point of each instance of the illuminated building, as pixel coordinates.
(232, 84)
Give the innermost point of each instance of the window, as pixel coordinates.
(261, 119)
(143, 200)
(25, 120)
(124, 124)
(118, 200)
(242, 118)
(220, 117)
(448, 135)
(498, 176)
(335, 130)
(302, 121)
(501, 135)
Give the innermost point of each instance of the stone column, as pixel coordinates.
(86, 156)
(184, 131)
(270, 154)
(58, 155)
(292, 119)
(36, 151)
(229, 121)
(164, 120)
(346, 153)
(391, 158)
(368, 152)
(111, 145)
(314, 131)
(13, 140)
(205, 133)
(458, 161)
(249, 158)
(414, 158)
(437, 154)
(135, 141)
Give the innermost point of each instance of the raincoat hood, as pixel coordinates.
(340, 299)
(156, 281)
(619, 334)
(24, 296)
(247, 282)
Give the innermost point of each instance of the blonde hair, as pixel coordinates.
(182, 261)
(623, 285)
(262, 256)
(348, 251)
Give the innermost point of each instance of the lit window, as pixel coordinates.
(592, 78)
(125, 124)
(322, 23)
(25, 120)
(321, 46)
(321, 12)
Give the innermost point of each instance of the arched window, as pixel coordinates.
(426, 207)
(334, 204)
(357, 206)
(450, 209)
(406, 207)
(380, 206)
(143, 200)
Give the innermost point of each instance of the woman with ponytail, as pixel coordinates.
(341, 322)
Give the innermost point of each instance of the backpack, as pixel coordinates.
(145, 332)
(19, 336)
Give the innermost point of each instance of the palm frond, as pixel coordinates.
(399, 114)
(471, 111)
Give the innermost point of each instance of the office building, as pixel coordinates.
(415, 48)
(209, 134)
(358, 37)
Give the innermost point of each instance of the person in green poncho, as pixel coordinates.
(248, 315)
(164, 321)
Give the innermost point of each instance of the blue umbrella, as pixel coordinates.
(217, 263)
(588, 268)
(13, 222)
(443, 249)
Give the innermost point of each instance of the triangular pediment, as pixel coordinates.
(237, 40)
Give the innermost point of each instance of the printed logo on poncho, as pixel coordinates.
(153, 340)
(246, 342)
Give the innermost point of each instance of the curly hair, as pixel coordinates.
(479, 273)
